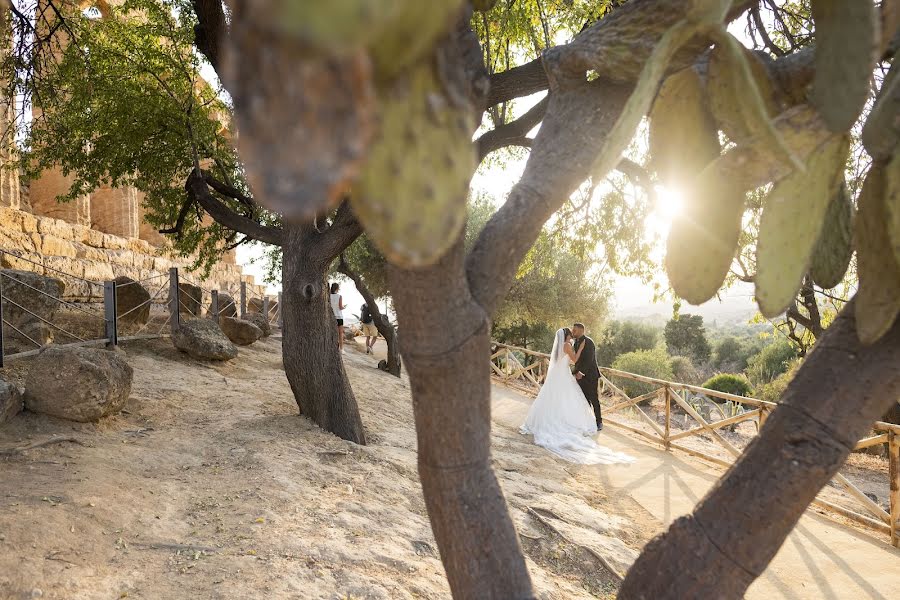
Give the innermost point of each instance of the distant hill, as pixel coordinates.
(736, 308)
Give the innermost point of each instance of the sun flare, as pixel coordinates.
(669, 202)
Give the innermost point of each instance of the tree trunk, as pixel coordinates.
(451, 390)
(840, 390)
(312, 360)
(384, 327)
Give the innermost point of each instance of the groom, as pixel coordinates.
(586, 371)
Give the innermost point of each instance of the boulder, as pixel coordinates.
(260, 321)
(129, 296)
(191, 297)
(36, 293)
(202, 338)
(11, 402)
(78, 384)
(239, 331)
(227, 306)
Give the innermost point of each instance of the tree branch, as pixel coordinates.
(210, 29)
(182, 215)
(512, 133)
(198, 191)
(344, 228)
(523, 80)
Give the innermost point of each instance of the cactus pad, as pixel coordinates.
(833, 251)
(878, 298)
(411, 195)
(792, 219)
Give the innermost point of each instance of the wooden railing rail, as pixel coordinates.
(507, 367)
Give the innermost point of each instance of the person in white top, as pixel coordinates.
(337, 307)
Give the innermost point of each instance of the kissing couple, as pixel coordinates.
(565, 416)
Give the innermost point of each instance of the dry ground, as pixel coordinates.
(210, 485)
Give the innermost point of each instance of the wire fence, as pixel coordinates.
(34, 311)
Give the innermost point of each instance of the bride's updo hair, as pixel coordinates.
(567, 333)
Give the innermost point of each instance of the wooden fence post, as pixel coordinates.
(243, 299)
(667, 392)
(894, 472)
(278, 310)
(214, 304)
(265, 309)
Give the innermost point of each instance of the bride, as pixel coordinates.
(560, 418)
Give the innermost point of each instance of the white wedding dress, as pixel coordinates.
(562, 421)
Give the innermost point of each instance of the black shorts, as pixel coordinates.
(340, 322)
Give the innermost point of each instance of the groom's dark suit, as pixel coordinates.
(587, 364)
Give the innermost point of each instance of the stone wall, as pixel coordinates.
(70, 252)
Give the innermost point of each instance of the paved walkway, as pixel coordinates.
(820, 559)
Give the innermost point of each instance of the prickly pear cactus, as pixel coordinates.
(833, 250)
(892, 205)
(792, 219)
(704, 237)
(846, 51)
(878, 297)
(881, 132)
(683, 133)
(411, 195)
(727, 90)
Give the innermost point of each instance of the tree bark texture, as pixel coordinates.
(735, 531)
(312, 361)
(451, 390)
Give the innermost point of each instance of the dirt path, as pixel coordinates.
(821, 559)
(211, 486)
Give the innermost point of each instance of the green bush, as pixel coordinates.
(685, 371)
(770, 362)
(650, 363)
(771, 392)
(729, 383)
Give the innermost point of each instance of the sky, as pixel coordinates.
(631, 296)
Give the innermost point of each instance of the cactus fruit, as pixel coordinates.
(792, 219)
(683, 134)
(704, 237)
(833, 250)
(411, 194)
(846, 51)
(878, 297)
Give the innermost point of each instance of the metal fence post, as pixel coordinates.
(280, 314)
(243, 299)
(265, 309)
(174, 300)
(214, 304)
(109, 312)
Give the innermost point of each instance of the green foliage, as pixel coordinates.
(124, 104)
(731, 353)
(770, 362)
(619, 337)
(686, 336)
(650, 363)
(685, 371)
(772, 391)
(370, 264)
(729, 383)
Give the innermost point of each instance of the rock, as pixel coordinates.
(78, 384)
(129, 295)
(11, 402)
(191, 298)
(227, 306)
(36, 293)
(260, 321)
(239, 331)
(202, 338)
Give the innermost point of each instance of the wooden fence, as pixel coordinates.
(526, 369)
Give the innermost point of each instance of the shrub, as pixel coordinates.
(650, 363)
(685, 371)
(729, 383)
(771, 392)
(770, 362)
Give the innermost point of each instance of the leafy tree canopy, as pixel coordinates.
(685, 335)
